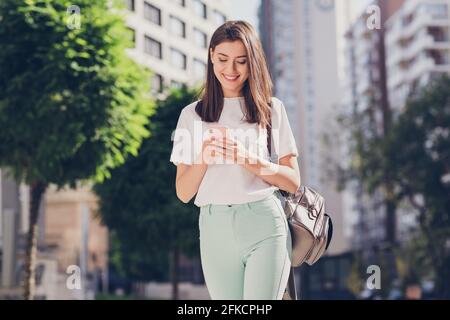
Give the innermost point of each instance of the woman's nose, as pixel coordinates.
(231, 66)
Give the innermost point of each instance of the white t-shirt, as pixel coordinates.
(231, 183)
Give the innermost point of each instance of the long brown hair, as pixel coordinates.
(257, 89)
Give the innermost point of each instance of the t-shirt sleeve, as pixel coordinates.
(182, 149)
(287, 145)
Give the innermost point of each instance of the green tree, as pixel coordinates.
(410, 161)
(418, 157)
(72, 103)
(140, 205)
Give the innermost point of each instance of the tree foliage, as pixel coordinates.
(72, 103)
(139, 201)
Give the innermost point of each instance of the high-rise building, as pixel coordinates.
(299, 39)
(383, 67)
(365, 91)
(171, 37)
(418, 50)
(418, 47)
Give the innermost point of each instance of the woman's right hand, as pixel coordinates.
(212, 146)
(209, 150)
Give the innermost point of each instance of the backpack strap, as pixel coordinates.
(291, 290)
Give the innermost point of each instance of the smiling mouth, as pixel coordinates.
(231, 78)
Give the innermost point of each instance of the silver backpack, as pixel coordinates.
(311, 228)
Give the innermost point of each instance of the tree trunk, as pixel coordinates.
(391, 222)
(175, 262)
(36, 192)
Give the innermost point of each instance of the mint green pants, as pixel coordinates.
(245, 250)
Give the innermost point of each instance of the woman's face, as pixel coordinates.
(230, 64)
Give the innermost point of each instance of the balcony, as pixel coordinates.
(394, 33)
(419, 22)
(440, 36)
(420, 44)
(439, 57)
(395, 79)
(364, 85)
(363, 48)
(394, 56)
(422, 65)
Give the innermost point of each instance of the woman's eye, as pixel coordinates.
(222, 60)
(242, 62)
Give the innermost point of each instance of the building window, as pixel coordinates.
(157, 83)
(199, 69)
(178, 59)
(177, 27)
(130, 5)
(219, 18)
(200, 38)
(200, 9)
(153, 47)
(152, 13)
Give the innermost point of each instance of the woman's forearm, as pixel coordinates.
(281, 176)
(188, 183)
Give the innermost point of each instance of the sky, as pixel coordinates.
(244, 10)
(248, 9)
(346, 12)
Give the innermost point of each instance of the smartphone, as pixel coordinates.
(218, 131)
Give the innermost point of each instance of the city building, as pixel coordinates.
(417, 51)
(383, 67)
(75, 236)
(418, 47)
(365, 92)
(171, 38)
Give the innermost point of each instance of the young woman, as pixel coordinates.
(220, 150)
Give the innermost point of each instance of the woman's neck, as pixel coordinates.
(235, 94)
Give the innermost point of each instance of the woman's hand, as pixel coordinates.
(208, 153)
(232, 151)
(213, 151)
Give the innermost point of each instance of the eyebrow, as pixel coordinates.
(223, 54)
